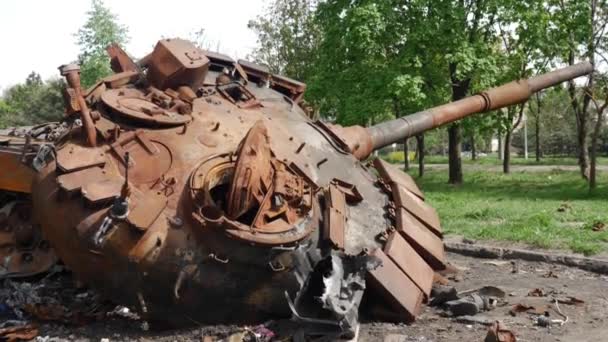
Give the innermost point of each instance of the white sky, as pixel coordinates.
(38, 35)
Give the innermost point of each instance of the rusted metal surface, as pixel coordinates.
(100, 191)
(210, 187)
(350, 191)
(415, 206)
(119, 60)
(15, 175)
(397, 289)
(290, 87)
(256, 73)
(427, 244)
(147, 210)
(121, 79)
(71, 72)
(23, 251)
(73, 157)
(72, 182)
(391, 173)
(335, 217)
(253, 173)
(150, 105)
(355, 139)
(176, 62)
(410, 262)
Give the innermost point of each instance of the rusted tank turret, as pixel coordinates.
(194, 188)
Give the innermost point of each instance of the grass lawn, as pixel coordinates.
(545, 209)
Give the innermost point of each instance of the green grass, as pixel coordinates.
(492, 159)
(543, 209)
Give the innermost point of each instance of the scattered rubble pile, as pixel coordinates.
(25, 303)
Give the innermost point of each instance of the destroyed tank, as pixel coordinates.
(196, 189)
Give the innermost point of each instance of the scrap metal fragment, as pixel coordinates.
(417, 207)
(499, 333)
(147, 210)
(410, 262)
(399, 291)
(427, 244)
(19, 333)
(337, 283)
(391, 174)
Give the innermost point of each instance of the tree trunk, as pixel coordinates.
(537, 140)
(506, 158)
(592, 170)
(454, 149)
(406, 156)
(499, 147)
(600, 110)
(459, 91)
(581, 113)
(473, 147)
(537, 151)
(594, 140)
(420, 146)
(583, 149)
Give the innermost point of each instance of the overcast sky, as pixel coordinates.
(38, 35)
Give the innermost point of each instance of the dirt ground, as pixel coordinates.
(586, 321)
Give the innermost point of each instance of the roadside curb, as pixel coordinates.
(488, 252)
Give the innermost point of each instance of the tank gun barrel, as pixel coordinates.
(512, 93)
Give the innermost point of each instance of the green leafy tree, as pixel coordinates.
(32, 102)
(522, 27)
(287, 37)
(100, 30)
(572, 33)
(598, 83)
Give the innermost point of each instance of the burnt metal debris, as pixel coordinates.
(195, 188)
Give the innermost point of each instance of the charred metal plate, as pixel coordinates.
(147, 210)
(105, 128)
(133, 104)
(102, 191)
(123, 78)
(25, 263)
(337, 199)
(351, 193)
(424, 212)
(427, 244)
(402, 294)
(23, 251)
(74, 181)
(218, 58)
(290, 87)
(74, 157)
(120, 60)
(334, 228)
(390, 174)
(176, 62)
(410, 262)
(149, 160)
(15, 175)
(257, 73)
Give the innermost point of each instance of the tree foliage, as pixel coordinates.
(287, 37)
(100, 30)
(32, 102)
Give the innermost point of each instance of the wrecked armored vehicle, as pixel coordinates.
(195, 188)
